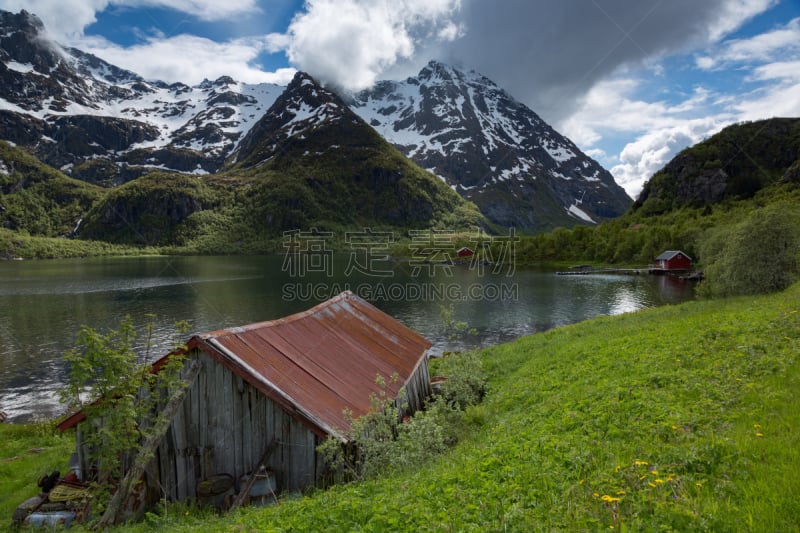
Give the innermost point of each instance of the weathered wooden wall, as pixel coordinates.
(418, 387)
(224, 427)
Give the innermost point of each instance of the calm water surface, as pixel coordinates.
(44, 303)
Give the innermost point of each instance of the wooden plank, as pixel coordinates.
(83, 465)
(180, 458)
(166, 466)
(222, 450)
(247, 429)
(233, 426)
(202, 407)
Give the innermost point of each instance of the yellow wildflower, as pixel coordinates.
(651, 484)
(659, 481)
(620, 492)
(756, 426)
(654, 472)
(640, 463)
(699, 484)
(596, 495)
(609, 499)
(759, 434)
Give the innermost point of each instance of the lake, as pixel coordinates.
(44, 303)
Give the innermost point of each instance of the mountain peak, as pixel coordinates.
(24, 21)
(23, 39)
(492, 149)
(303, 107)
(437, 71)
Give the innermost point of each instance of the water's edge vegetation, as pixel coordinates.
(675, 418)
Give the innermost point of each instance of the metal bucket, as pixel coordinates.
(264, 487)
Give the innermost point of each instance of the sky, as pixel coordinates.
(631, 82)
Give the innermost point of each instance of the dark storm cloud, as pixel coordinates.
(549, 53)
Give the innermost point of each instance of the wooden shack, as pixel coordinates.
(673, 261)
(288, 380)
(465, 252)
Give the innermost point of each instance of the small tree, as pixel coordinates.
(758, 255)
(119, 394)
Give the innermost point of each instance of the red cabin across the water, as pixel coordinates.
(673, 260)
(465, 252)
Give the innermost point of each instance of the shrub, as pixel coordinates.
(382, 440)
(759, 255)
(466, 381)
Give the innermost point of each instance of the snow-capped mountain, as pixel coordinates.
(76, 112)
(303, 107)
(491, 148)
(106, 125)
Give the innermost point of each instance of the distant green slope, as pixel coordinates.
(734, 164)
(148, 210)
(37, 199)
(363, 181)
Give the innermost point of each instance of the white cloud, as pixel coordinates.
(211, 10)
(165, 59)
(775, 100)
(66, 19)
(351, 42)
(731, 14)
(781, 70)
(768, 46)
(660, 129)
(646, 155)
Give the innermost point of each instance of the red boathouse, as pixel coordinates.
(673, 260)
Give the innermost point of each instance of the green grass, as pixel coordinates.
(679, 418)
(27, 452)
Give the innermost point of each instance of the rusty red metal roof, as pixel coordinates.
(320, 362)
(324, 360)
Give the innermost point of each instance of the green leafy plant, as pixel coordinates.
(119, 394)
(455, 329)
(369, 440)
(465, 383)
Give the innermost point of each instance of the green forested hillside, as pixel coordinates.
(37, 199)
(734, 164)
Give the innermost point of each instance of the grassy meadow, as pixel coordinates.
(679, 418)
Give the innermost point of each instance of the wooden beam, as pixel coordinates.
(237, 502)
(111, 516)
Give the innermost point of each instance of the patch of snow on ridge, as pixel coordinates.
(24, 68)
(576, 211)
(559, 153)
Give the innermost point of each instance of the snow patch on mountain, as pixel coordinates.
(576, 211)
